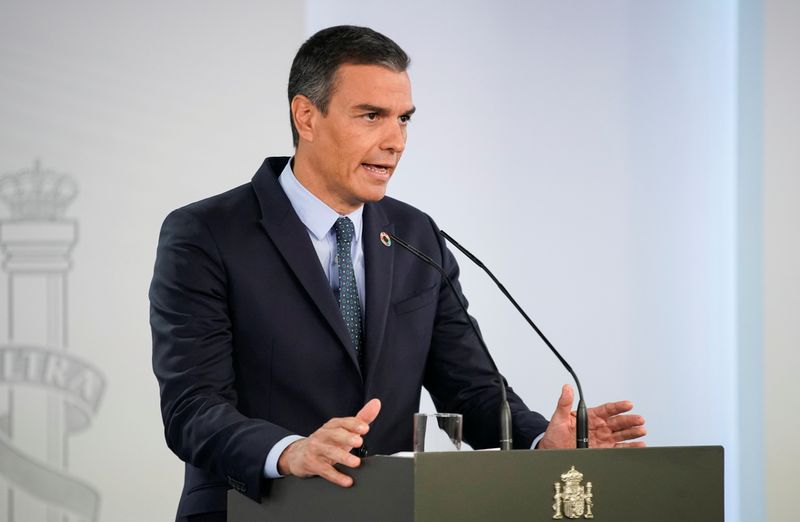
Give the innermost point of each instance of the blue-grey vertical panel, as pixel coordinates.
(750, 264)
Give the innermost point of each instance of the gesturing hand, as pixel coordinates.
(329, 445)
(608, 427)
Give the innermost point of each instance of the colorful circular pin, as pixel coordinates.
(385, 239)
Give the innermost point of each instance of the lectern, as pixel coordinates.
(677, 484)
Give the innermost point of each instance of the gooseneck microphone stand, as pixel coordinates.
(506, 441)
(582, 428)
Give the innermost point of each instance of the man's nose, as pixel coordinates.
(395, 138)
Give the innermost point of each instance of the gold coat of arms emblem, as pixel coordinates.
(572, 500)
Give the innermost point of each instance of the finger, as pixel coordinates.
(360, 423)
(340, 437)
(638, 444)
(370, 411)
(630, 433)
(610, 409)
(331, 474)
(567, 397)
(621, 422)
(321, 448)
(564, 405)
(334, 455)
(351, 424)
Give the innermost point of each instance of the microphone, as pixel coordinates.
(582, 431)
(506, 441)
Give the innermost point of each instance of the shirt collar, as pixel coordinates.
(318, 217)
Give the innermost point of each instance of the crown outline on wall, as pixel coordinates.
(37, 194)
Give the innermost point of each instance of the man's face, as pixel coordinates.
(356, 146)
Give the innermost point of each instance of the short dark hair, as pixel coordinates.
(314, 68)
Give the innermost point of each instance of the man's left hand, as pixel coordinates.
(609, 425)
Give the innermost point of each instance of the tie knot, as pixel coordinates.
(344, 230)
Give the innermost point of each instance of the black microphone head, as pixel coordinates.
(385, 239)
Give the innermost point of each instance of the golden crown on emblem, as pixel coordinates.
(573, 475)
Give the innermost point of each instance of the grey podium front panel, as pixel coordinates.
(653, 484)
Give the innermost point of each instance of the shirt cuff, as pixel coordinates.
(533, 445)
(271, 465)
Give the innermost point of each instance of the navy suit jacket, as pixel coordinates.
(249, 345)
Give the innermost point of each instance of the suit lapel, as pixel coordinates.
(291, 239)
(379, 267)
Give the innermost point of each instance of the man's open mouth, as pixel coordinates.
(379, 169)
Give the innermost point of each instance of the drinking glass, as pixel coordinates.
(437, 431)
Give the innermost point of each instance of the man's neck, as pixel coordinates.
(306, 175)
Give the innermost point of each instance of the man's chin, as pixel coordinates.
(375, 197)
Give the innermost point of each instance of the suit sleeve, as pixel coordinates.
(461, 378)
(193, 359)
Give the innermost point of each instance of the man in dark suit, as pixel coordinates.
(277, 313)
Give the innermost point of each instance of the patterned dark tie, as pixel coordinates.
(349, 304)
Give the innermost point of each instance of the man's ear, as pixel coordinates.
(304, 114)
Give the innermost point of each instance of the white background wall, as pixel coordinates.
(586, 151)
(149, 106)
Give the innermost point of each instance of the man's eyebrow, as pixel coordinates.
(366, 107)
(381, 111)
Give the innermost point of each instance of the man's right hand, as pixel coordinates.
(329, 445)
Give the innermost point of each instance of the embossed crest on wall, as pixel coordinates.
(47, 395)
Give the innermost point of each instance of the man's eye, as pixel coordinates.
(371, 116)
(405, 118)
